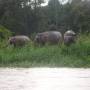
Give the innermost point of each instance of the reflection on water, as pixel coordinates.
(44, 79)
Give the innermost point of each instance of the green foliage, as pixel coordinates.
(4, 33)
(28, 16)
(81, 49)
(77, 55)
(4, 36)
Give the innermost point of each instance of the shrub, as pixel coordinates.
(4, 33)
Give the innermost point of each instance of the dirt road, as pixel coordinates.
(44, 79)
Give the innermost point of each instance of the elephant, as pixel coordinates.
(69, 37)
(19, 40)
(50, 37)
(70, 33)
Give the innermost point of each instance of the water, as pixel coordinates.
(44, 79)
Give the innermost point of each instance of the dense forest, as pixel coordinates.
(29, 16)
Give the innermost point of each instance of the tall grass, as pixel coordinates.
(76, 55)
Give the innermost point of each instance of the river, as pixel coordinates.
(44, 79)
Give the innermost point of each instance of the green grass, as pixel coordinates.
(76, 55)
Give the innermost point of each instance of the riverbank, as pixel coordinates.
(76, 55)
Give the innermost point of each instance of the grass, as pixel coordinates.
(76, 55)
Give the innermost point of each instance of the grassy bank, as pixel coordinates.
(76, 55)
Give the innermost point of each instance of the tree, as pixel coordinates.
(54, 8)
(81, 15)
(19, 15)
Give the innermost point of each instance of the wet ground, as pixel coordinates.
(44, 79)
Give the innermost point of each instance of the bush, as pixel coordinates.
(81, 49)
(4, 33)
(76, 55)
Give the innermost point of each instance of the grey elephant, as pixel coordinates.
(51, 37)
(20, 40)
(69, 37)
